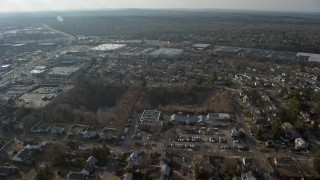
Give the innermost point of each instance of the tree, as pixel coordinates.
(276, 127)
(73, 145)
(102, 154)
(60, 160)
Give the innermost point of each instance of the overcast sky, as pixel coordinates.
(53, 5)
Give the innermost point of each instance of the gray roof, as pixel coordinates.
(168, 52)
(76, 176)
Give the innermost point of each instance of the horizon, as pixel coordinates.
(29, 6)
(159, 9)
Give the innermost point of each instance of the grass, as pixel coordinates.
(113, 177)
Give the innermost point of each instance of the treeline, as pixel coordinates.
(80, 104)
(165, 96)
(242, 30)
(92, 94)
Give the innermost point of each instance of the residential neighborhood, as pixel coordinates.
(82, 107)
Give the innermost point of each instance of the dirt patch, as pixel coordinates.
(220, 102)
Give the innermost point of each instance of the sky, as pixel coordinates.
(61, 5)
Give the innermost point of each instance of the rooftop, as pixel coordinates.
(166, 52)
(108, 47)
(63, 71)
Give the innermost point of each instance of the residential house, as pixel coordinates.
(5, 120)
(57, 130)
(92, 160)
(165, 171)
(134, 158)
(247, 162)
(290, 131)
(127, 176)
(248, 176)
(306, 116)
(6, 171)
(32, 145)
(235, 132)
(18, 125)
(88, 134)
(23, 155)
(72, 132)
(300, 144)
(167, 157)
(245, 99)
(76, 176)
(40, 129)
(88, 169)
(6, 149)
(105, 134)
(284, 162)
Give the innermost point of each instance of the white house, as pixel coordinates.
(300, 143)
(35, 145)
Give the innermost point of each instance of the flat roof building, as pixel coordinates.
(63, 71)
(201, 47)
(166, 53)
(109, 47)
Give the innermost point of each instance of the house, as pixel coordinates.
(76, 176)
(92, 160)
(284, 162)
(167, 157)
(6, 171)
(22, 155)
(134, 158)
(40, 129)
(127, 176)
(32, 145)
(234, 132)
(6, 149)
(247, 162)
(248, 176)
(105, 134)
(18, 125)
(88, 134)
(288, 128)
(165, 170)
(72, 132)
(245, 99)
(300, 143)
(57, 130)
(153, 168)
(88, 169)
(306, 116)
(5, 120)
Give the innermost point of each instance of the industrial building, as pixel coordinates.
(64, 72)
(166, 53)
(109, 47)
(201, 47)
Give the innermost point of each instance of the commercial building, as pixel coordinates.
(109, 47)
(58, 72)
(166, 53)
